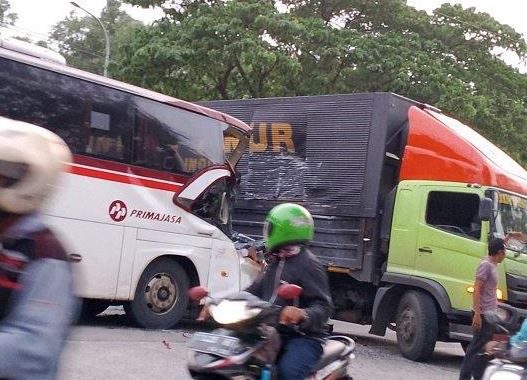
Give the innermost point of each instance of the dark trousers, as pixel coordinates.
(298, 357)
(475, 361)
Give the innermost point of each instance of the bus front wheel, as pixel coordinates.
(161, 295)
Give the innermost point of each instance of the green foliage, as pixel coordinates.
(81, 40)
(210, 49)
(6, 16)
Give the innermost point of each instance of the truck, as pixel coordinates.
(404, 198)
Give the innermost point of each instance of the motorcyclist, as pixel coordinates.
(288, 228)
(516, 347)
(37, 304)
(518, 343)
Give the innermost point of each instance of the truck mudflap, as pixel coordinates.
(387, 298)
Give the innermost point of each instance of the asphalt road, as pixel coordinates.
(109, 347)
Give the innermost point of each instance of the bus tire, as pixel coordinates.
(161, 295)
(417, 325)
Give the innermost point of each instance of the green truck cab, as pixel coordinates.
(404, 198)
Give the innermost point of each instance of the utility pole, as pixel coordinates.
(106, 38)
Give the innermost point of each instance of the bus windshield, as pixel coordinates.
(511, 216)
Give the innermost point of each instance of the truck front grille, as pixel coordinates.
(517, 290)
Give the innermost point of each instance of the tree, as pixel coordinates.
(208, 49)
(81, 40)
(6, 16)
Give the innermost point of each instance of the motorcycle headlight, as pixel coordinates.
(229, 312)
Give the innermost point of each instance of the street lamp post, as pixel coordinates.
(106, 38)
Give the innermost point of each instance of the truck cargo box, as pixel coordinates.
(337, 155)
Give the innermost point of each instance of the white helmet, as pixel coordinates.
(31, 160)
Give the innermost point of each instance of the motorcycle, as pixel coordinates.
(508, 363)
(246, 343)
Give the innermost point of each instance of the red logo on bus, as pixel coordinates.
(118, 211)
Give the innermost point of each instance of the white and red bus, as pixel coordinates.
(144, 209)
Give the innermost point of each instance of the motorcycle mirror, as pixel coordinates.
(289, 291)
(197, 293)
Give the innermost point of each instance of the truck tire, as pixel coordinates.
(417, 325)
(161, 295)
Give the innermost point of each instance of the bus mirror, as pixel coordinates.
(485, 209)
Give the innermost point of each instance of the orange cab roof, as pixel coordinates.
(440, 148)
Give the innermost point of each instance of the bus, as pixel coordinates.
(144, 208)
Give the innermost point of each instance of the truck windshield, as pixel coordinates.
(511, 217)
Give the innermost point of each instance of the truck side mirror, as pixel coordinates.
(485, 209)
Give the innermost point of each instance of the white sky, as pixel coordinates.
(509, 12)
(37, 16)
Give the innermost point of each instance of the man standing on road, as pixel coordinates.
(485, 305)
(37, 304)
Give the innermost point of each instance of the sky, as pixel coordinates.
(37, 16)
(510, 12)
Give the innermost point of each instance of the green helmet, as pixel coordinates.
(288, 223)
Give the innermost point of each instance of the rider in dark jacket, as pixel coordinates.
(288, 228)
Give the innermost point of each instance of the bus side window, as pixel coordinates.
(107, 123)
(103, 141)
(154, 147)
(92, 119)
(40, 97)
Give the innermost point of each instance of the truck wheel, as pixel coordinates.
(161, 295)
(417, 326)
